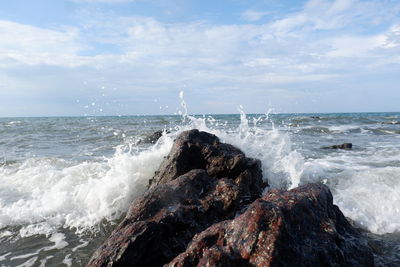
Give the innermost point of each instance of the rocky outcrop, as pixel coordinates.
(200, 150)
(300, 227)
(346, 146)
(218, 182)
(204, 208)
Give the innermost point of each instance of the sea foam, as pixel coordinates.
(43, 194)
(365, 185)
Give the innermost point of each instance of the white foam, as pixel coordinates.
(43, 262)
(28, 263)
(282, 166)
(44, 194)
(371, 197)
(59, 242)
(343, 128)
(5, 233)
(25, 256)
(67, 260)
(4, 256)
(365, 185)
(11, 123)
(83, 244)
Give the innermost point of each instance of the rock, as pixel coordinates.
(201, 150)
(218, 182)
(346, 146)
(196, 213)
(391, 122)
(161, 223)
(300, 227)
(152, 138)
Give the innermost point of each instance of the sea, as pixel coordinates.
(66, 182)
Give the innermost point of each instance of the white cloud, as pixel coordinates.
(20, 43)
(356, 46)
(194, 47)
(263, 61)
(393, 37)
(338, 14)
(252, 15)
(290, 23)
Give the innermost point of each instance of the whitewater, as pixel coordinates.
(65, 182)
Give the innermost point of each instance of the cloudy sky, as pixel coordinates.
(121, 57)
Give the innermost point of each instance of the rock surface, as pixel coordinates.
(346, 146)
(200, 150)
(218, 182)
(300, 227)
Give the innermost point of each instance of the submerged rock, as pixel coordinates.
(315, 117)
(346, 146)
(391, 122)
(300, 227)
(218, 183)
(152, 138)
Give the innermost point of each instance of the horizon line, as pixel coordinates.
(204, 114)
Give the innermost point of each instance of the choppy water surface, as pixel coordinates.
(65, 182)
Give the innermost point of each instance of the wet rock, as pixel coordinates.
(391, 122)
(385, 248)
(202, 182)
(315, 117)
(161, 223)
(153, 138)
(300, 227)
(346, 146)
(196, 213)
(201, 150)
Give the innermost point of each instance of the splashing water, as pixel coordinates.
(45, 194)
(281, 165)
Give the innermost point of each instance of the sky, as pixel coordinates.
(129, 57)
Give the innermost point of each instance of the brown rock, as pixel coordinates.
(160, 224)
(201, 150)
(300, 227)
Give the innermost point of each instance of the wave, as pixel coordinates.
(335, 129)
(365, 185)
(384, 131)
(374, 203)
(340, 129)
(45, 194)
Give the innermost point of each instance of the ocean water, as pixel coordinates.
(65, 182)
